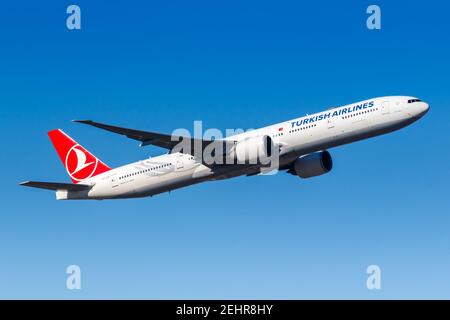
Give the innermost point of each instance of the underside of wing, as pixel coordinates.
(173, 143)
(162, 140)
(56, 186)
(146, 137)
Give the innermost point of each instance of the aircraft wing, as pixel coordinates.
(56, 186)
(162, 140)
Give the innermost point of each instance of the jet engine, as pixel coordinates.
(253, 150)
(313, 164)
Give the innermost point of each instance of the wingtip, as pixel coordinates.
(82, 121)
(24, 183)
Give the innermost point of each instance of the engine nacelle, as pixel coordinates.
(254, 150)
(313, 164)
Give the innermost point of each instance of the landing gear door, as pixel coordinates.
(385, 107)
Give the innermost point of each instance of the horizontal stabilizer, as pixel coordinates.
(56, 186)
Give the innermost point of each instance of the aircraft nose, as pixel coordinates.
(417, 108)
(424, 107)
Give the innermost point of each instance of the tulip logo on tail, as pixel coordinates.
(80, 165)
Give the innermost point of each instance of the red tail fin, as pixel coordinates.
(79, 163)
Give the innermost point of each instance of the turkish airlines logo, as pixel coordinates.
(80, 165)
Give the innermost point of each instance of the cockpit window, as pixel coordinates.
(414, 100)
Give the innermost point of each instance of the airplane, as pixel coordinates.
(299, 146)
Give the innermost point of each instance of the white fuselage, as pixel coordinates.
(295, 138)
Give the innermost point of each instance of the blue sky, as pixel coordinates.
(232, 64)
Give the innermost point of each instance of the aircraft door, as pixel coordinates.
(114, 181)
(385, 108)
(397, 106)
(179, 163)
(330, 123)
